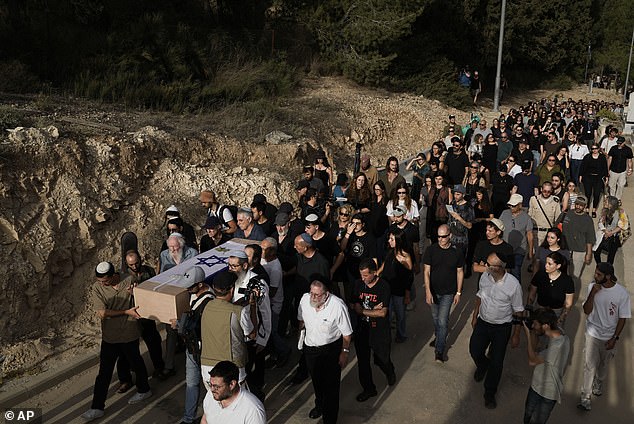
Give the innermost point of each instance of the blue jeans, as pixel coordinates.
(397, 304)
(440, 314)
(537, 409)
(192, 389)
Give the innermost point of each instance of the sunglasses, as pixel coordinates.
(401, 192)
(343, 214)
(443, 236)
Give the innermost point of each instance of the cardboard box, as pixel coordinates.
(161, 298)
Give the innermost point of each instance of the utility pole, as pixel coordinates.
(585, 78)
(498, 73)
(627, 75)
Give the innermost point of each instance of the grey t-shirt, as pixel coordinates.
(548, 376)
(515, 230)
(578, 230)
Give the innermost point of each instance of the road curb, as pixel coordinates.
(44, 381)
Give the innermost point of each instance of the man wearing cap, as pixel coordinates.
(452, 124)
(325, 243)
(578, 229)
(214, 237)
(224, 327)
(620, 166)
(519, 233)
(494, 243)
(179, 226)
(498, 299)
(239, 265)
(607, 306)
(326, 346)
(522, 154)
(177, 252)
(200, 294)
(247, 228)
(111, 299)
(460, 221)
(209, 201)
(443, 276)
(544, 209)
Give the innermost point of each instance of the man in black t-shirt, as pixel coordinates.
(358, 244)
(620, 166)
(371, 300)
(326, 244)
(444, 275)
(493, 244)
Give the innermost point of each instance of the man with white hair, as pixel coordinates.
(247, 227)
(177, 252)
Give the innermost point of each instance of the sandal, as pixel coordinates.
(124, 387)
(594, 214)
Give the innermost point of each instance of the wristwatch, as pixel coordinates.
(459, 293)
(346, 350)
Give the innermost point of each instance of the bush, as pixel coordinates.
(609, 115)
(558, 82)
(15, 77)
(10, 118)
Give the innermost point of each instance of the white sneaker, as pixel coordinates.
(597, 387)
(92, 414)
(585, 404)
(138, 397)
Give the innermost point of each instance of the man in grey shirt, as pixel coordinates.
(578, 229)
(518, 233)
(547, 383)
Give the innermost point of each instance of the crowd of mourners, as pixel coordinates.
(521, 207)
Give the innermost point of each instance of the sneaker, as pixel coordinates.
(92, 414)
(584, 405)
(138, 397)
(597, 387)
(364, 395)
(439, 358)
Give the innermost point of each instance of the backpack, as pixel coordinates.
(221, 209)
(189, 327)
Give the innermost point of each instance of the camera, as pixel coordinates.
(527, 319)
(254, 287)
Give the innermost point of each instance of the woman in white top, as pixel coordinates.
(475, 148)
(400, 196)
(577, 151)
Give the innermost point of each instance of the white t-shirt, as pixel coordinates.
(326, 325)
(609, 306)
(608, 143)
(412, 213)
(274, 269)
(578, 151)
(245, 409)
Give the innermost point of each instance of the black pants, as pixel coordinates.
(593, 187)
(108, 356)
(497, 337)
(152, 339)
(364, 348)
(255, 370)
(610, 245)
(324, 369)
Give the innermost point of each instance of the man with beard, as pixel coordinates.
(259, 217)
(369, 170)
(559, 189)
(326, 346)
(544, 209)
(227, 402)
(176, 252)
(239, 264)
(209, 201)
(547, 382)
(494, 243)
(326, 244)
(138, 273)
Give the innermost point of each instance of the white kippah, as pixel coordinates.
(104, 268)
(172, 208)
(238, 254)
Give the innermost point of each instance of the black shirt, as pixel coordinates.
(397, 275)
(619, 158)
(444, 264)
(368, 298)
(552, 294)
(359, 248)
(484, 248)
(207, 243)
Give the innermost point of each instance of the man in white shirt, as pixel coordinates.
(326, 344)
(497, 300)
(227, 402)
(607, 307)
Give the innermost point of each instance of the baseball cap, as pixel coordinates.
(497, 223)
(459, 188)
(399, 211)
(581, 199)
(211, 222)
(192, 276)
(515, 199)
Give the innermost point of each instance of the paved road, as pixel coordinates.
(425, 391)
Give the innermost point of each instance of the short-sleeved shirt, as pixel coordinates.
(526, 185)
(257, 233)
(245, 409)
(484, 248)
(274, 269)
(359, 248)
(552, 294)
(499, 300)
(548, 376)
(610, 305)
(578, 229)
(326, 325)
(119, 329)
(368, 298)
(515, 230)
(444, 264)
(619, 158)
(460, 233)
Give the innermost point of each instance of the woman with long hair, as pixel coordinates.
(593, 174)
(612, 221)
(397, 271)
(569, 196)
(344, 216)
(563, 160)
(438, 198)
(436, 155)
(473, 180)
(553, 242)
(552, 287)
(420, 168)
(422, 225)
(475, 148)
(400, 196)
(490, 154)
(377, 218)
(322, 168)
(359, 194)
(546, 170)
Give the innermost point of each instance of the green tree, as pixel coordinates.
(613, 35)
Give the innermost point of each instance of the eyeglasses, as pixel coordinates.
(511, 160)
(474, 167)
(595, 148)
(551, 160)
(234, 266)
(443, 235)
